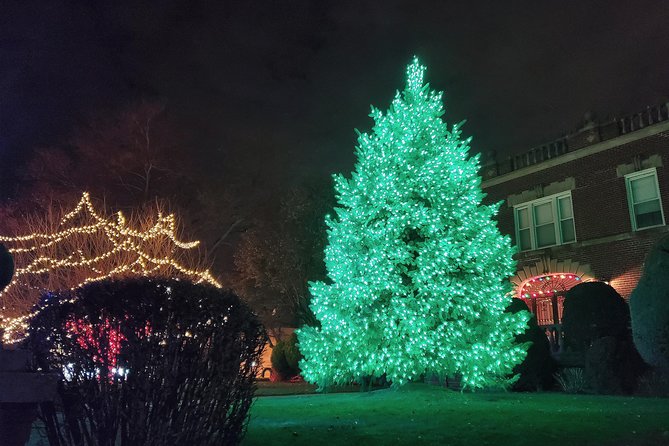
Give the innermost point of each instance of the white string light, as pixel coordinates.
(114, 250)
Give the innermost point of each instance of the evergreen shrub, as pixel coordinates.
(147, 362)
(537, 369)
(596, 324)
(600, 367)
(649, 306)
(593, 310)
(285, 357)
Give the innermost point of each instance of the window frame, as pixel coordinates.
(630, 200)
(529, 206)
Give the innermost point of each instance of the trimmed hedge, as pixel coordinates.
(649, 305)
(596, 323)
(593, 310)
(184, 371)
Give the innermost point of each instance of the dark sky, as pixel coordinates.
(288, 81)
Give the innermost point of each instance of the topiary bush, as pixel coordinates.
(612, 366)
(596, 324)
(593, 310)
(537, 369)
(601, 367)
(147, 362)
(285, 357)
(649, 306)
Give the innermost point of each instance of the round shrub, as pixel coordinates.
(148, 362)
(649, 306)
(593, 310)
(596, 324)
(537, 369)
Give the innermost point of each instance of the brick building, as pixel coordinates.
(588, 206)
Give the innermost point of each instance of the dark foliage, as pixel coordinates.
(654, 382)
(282, 251)
(184, 374)
(6, 267)
(536, 371)
(612, 366)
(593, 310)
(600, 366)
(285, 357)
(596, 324)
(649, 305)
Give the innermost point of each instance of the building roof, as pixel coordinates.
(591, 138)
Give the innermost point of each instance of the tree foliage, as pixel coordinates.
(417, 268)
(278, 255)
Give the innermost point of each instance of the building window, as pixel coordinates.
(545, 222)
(643, 196)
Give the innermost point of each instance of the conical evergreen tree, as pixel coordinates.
(417, 266)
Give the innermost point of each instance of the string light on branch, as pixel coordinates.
(85, 246)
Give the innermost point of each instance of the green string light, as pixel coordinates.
(417, 266)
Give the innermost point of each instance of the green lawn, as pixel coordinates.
(423, 415)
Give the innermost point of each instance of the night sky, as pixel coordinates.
(287, 82)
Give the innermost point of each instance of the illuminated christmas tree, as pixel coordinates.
(417, 266)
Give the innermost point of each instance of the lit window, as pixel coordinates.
(643, 196)
(545, 222)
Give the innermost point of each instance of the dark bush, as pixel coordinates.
(649, 305)
(654, 382)
(148, 362)
(6, 267)
(278, 359)
(536, 371)
(600, 367)
(285, 357)
(293, 355)
(593, 310)
(612, 365)
(596, 324)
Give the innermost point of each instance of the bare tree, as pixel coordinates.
(64, 250)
